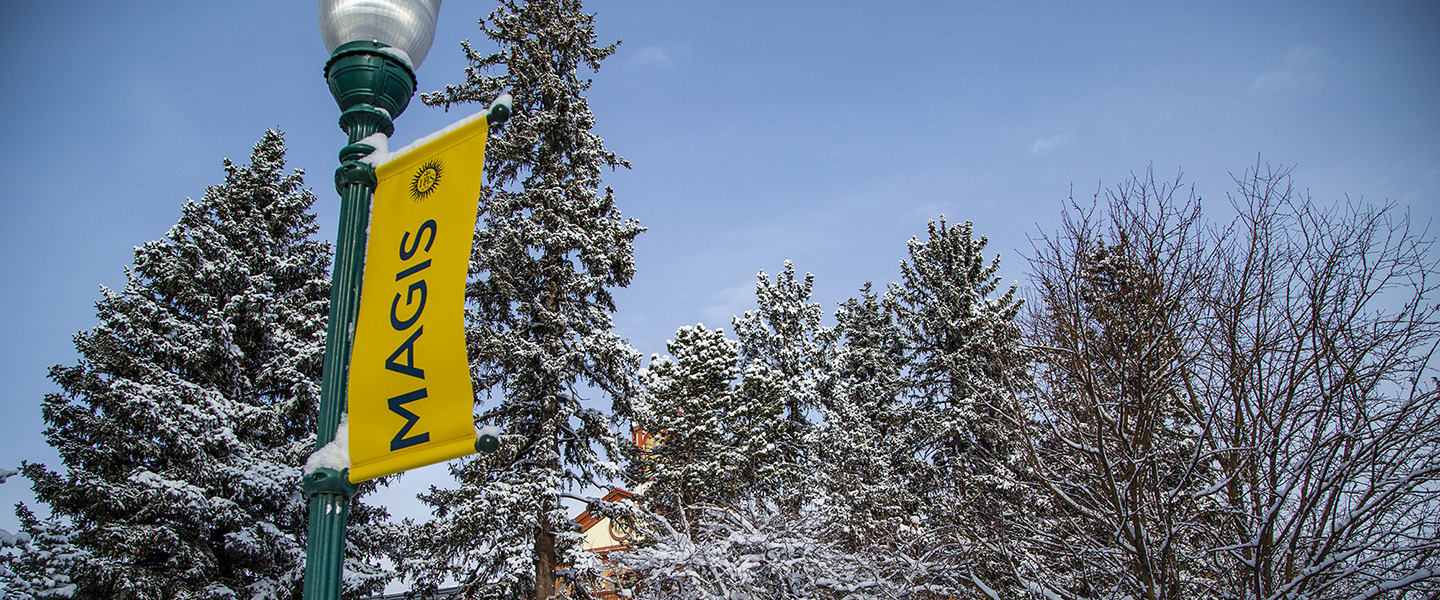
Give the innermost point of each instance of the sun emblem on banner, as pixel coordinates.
(426, 180)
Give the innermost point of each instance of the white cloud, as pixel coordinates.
(652, 56)
(1044, 145)
(1299, 68)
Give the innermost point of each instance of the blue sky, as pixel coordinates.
(826, 133)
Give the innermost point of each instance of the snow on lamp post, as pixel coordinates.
(375, 46)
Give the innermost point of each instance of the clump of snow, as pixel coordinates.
(13, 539)
(381, 142)
(336, 454)
(504, 100)
(488, 430)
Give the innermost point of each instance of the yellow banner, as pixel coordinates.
(410, 395)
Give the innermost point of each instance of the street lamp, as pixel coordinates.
(407, 26)
(375, 46)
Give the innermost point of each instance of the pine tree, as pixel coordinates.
(185, 423)
(963, 349)
(38, 561)
(783, 354)
(688, 404)
(551, 246)
(967, 371)
(861, 447)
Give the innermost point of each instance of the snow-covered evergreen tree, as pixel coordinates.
(38, 561)
(783, 357)
(551, 245)
(862, 446)
(966, 370)
(963, 347)
(184, 425)
(688, 404)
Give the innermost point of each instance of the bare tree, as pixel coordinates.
(1242, 412)
(1319, 340)
(1116, 438)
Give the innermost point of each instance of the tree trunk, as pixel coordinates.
(546, 583)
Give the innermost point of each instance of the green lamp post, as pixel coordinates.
(375, 46)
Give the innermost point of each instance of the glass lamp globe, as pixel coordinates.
(406, 25)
